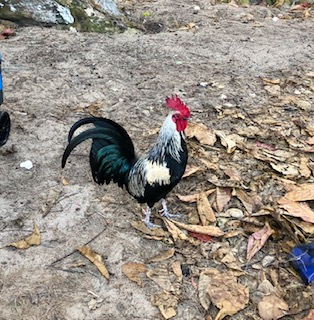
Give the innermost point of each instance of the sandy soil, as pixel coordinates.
(52, 78)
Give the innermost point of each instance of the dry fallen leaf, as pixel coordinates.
(188, 26)
(203, 284)
(233, 174)
(304, 167)
(267, 146)
(204, 209)
(279, 3)
(155, 232)
(175, 232)
(297, 209)
(162, 256)
(272, 307)
(190, 170)
(301, 192)
(177, 270)
(227, 141)
(95, 108)
(310, 316)
(307, 227)
(230, 261)
(223, 196)
(166, 302)
(52, 198)
(94, 258)
(286, 169)
(95, 303)
(202, 133)
(266, 287)
(209, 164)
(257, 240)
(161, 276)
(299, 7)
(273, 90)
(8, 32)
(64, 181)
(271, 81)
(232, 3)
(193, 197)
(153, 132)
(209, 230)
(31, 240)
(251, 202)
(202, 237)
(226, 293)
(133, 269)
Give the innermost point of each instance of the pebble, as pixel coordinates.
(26, 164)
(203, 84)
(146, 113)
(223, 97)
(267, 261)
(266, 287)
(275, 19)
(235, 213)
(196, 9)
(218, 85)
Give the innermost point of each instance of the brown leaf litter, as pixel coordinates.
(94, 258)
(31, 240)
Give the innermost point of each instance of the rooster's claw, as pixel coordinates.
(151, 225)
(169, 215)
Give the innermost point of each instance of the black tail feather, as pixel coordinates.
(112, 151)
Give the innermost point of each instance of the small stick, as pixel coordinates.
(88, 242)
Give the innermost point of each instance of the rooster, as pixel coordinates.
(148, 178)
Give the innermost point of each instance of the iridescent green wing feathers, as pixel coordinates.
(112, 151)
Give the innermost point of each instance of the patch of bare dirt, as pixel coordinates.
(246, 76)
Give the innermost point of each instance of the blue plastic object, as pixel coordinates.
(302, 260)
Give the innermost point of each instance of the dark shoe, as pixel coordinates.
(5, 125)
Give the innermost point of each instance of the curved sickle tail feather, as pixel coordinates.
(112, 151)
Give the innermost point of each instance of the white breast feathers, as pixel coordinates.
(157, 173)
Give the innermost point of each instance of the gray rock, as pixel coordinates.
(267, 261)
(109, 6)
(84, 15)
(41, 11)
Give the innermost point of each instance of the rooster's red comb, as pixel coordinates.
(175, 103)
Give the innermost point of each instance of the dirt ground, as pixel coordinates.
(53, 78)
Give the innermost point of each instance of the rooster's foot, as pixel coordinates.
(164, 212)
(170, 215)
(151, 225)
(147, 221)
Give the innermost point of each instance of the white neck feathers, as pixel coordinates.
(168, 141)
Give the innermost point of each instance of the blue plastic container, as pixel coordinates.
(302, 260)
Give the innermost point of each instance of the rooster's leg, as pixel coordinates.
(147, 221)
(165, 212)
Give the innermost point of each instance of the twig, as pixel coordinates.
(73, 251)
